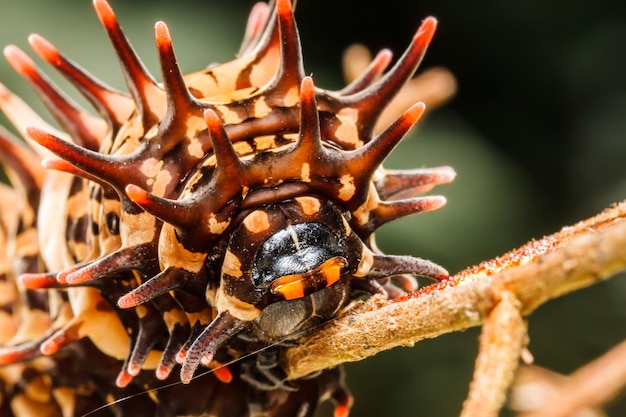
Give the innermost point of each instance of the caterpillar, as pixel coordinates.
(203, 222)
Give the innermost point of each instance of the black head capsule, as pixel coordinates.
(288, 251)
(299, 260)
(296, 260)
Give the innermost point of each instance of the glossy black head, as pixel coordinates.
(296, 250)
(289, 254)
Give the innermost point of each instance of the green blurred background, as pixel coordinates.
(537, 134)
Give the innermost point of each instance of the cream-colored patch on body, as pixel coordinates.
(209, 295)
(160, 183)
(204, 316)
(292, 97)
(233, 98)
(51, 227)
(152, 132)
(223, 78)
(264, 142)
(366, 262)
(242, 148)
(362, 213)
(194, 178)
(202, 82)
(98, 321)
(228, 116)
(309, 205)
(215, 226)
(172, 254)
(151, 167)
(261, 109)
(55, 208)
(347, 190)
(158, 177)
(236, 307)
(141, 311)
(194, 125)
(127, 138)
(231, 265)
(346, 224)
(195, 148)
(138, 228)
(257, 221)
(347, 131)
(174, 317)
(263, 71)
(305, 172)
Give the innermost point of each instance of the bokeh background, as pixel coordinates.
(537, 134)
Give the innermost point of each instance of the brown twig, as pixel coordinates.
(574, 258)
(588, 388)
(502, 339)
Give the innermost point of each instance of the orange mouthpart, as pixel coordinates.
(298, 285)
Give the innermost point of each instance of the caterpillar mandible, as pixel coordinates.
(195, 220)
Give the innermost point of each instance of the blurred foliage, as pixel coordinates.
(537, 134)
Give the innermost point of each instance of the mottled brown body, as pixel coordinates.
(194, 222)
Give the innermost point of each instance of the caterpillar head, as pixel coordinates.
(243, 185)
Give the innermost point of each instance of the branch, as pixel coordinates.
(588, 388)
(576, 257)
(501, 343)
